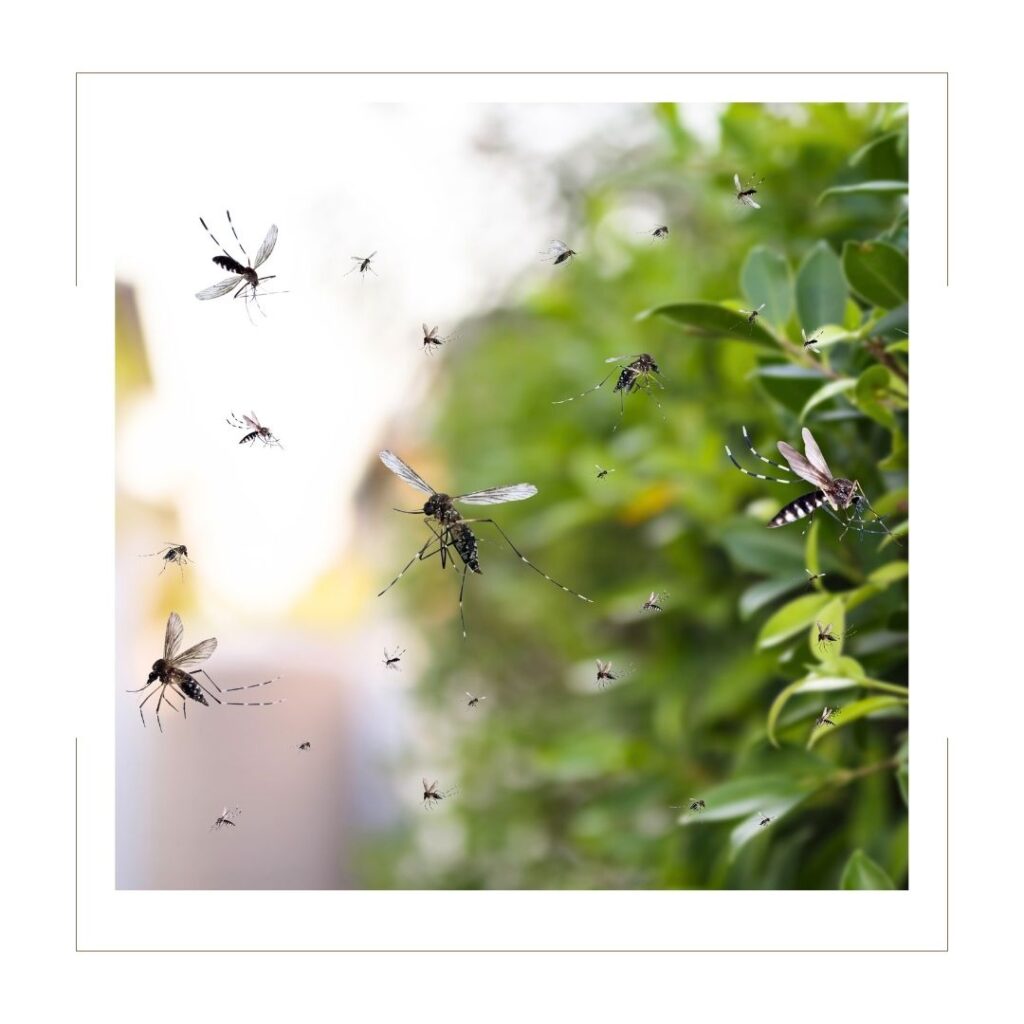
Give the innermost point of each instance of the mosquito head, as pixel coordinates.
(844, 492)
(159, 670)
(438, 506)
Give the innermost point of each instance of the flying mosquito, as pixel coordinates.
(745, 193)
(812, 576)
(826, 716)
(473, 701)
(605, 675)
(176, 672)
(834, 494)
(449, 529)
(244, 279)
(362, 264)
(637, 375)
(304, 745)
(826, 636)
(749, 316)
(765, 819)
(224, 818)
(558, 252)
(431, 339)
(692, 804)
(811, 339)
(392, 660)
(172, 554)
(652, 603)
(255, 430)
(602, 473)
(659, 232)
(431, 796)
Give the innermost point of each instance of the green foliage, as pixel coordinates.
(566, 785)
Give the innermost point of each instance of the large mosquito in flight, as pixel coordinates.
(636, 375)
(449, 529)
(243, 278)
(176, 671)
(834, 494)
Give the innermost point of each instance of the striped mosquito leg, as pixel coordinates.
(196, 672)
(523, 558)
(857, 525)
(418, 557)
(144, 700)
(252, 703)
(584, 394)
(462, 590)
(215, 242)
(758, 455)
(237, 239)
(756, 476)
(803, 506)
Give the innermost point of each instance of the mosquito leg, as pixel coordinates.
(251, 703)
(419, 556)
(462, 590)
(758, 455)
(756, 476)
(196, 672)
(237, 239)
(215, 242)
(144, 699)
(585, 393)
(526, 560)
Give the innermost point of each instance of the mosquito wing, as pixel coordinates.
(200, 652)
(172, 636)
(215, 291)
(802, 467)
(622, 359)
(407, 473)
(498, 495)
(736, 181)
(251, 420)
(750, 201)
(814, 455)
(264, 251)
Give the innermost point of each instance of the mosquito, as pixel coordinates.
(660, 232)
(558, 252)
(745, 193)
(834, 494)
(255, 431)
(473, 701)
(692, 803)
(362, 264)
(176, 672)
(431, 339)
(304, 745)
(602, 473)
(431, 796)
(749, 316)
(244, 279)
(652, 603)
(224, 818)
(812, 338)
(392, 660)
(826, 636)
(606, 676)
(637, 375)
(450, 530)
(826, 716)
(765, 819)
(812, 576)
(172, 554)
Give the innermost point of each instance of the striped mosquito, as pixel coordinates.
(391, 660)
(431, 795)
(255, 431)
(431, 339)
(225, 816)
(449, 529)
(826, 637)
(636, 375)
(473, 702)
(826, 716)
(558, 252)
(745, 193)
(171, 554)
(362, 264)
(764, 819)
(176, 672)
(653, 603)
(834, 494)
(244, 280)
(602, 473)
(811, 339)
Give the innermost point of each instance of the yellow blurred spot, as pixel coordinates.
(648, 503)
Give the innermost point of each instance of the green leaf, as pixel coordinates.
(851, 712)
(756, 596)
(811, 552)
(861, 872)
(861, 187)
(903, 781)
(889, 573)
(766, 278)
(874, 387)
(791, 619)
(825, 392)
(877, 272)
(820, 289)
(712, 320)
(809, 684)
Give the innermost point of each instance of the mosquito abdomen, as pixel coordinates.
(799, 508)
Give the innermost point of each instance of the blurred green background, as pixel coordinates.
(566, 785)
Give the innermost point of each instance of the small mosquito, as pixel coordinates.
(245, 279)
(826, 636)
(172, 554)
(602, 473)
(660, 232)
(834, 494)
(637, 375)
(449, 529)
(652, 604)
(765, 819)
(255, 430)
(431, 796)
(811, 339)
(224, 818)
(558, 252)
(362, 264)
(473, 701)
(304, 745)
(745, 193)
(391, 660)
(605, 675)
(692, 804)
(826, 716)
(176, 672)
(750, 316)
(812, 576)
(431, 339)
